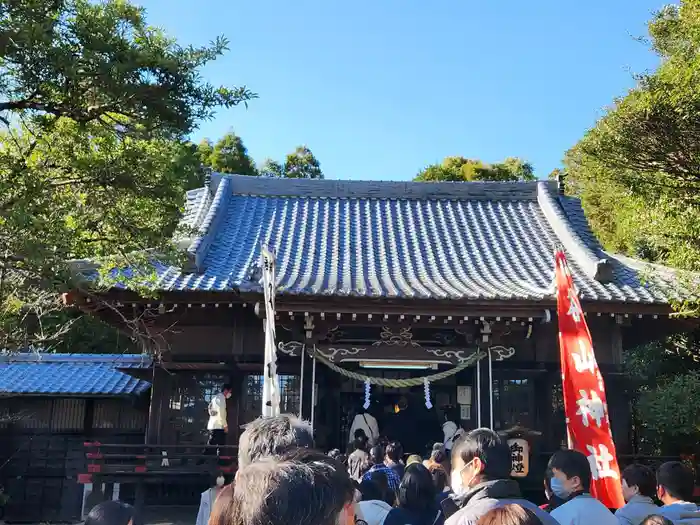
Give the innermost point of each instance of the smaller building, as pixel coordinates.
(50, 405)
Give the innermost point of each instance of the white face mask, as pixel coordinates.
(457, 483)
(220, 481)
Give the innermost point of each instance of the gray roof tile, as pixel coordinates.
(398, 239)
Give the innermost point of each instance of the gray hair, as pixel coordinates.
(273, 437)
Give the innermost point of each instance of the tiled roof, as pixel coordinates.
(458, 241)
(71, 374)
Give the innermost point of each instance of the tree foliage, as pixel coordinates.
(300, 164)
(228, 155)
(461, 169)
(95, 105)
(638, 170)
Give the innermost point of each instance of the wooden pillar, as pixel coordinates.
(233, 408)
(161, 383)
(486, 400)
(307, 387)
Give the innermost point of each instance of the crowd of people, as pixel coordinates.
(282, 480)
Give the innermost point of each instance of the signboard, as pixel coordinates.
(519, 456)
(464, 395)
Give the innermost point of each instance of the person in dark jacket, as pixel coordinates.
(481, 481)
(415, 499)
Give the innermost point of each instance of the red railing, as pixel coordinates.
(118, 461)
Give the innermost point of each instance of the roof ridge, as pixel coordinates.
(339, 189)
(595, 267)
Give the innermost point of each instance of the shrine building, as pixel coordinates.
(398, 280)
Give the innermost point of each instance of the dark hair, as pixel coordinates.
(360, 432)
(304, 486)
(416, 491)
(227, 386)
(511, 514)
(642, 477)
(655, 519)
(677, 479)
(376, 454)
(273, 436)
(382, 482)
(112, 513)
(393, 451)
(486, 445)
(439, 476)
(370, 490)
(360, 442)
(572, 463)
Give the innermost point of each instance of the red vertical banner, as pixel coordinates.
(585, 405)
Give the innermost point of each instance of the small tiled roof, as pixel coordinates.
(459, 241)
(71, 374)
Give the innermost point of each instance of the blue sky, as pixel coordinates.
(379, 89)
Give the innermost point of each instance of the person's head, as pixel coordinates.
(478, 456)
(376, 454)
(273, 436)
(393, 452)
(302, 487)
(571, 473)
(440, 480)
(655, 519)
(360, 442)
(371, 491)
(511, 514)
(416, 491)
(638, 479)
(227, 390)
(438, 454)
(382, 483)
(334, 454)
(218, 480)
(675, 482)
(112, 513)
(414, 458)
(360, 433)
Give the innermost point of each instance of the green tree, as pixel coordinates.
(300, 164)
(638, 170)
(228, 155)
(461, 169)
(272, 168)
(95, 106)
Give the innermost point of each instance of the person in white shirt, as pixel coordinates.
(571, 480)
(218, 423)
(368, 423)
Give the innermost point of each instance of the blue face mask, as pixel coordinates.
(558, 488)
